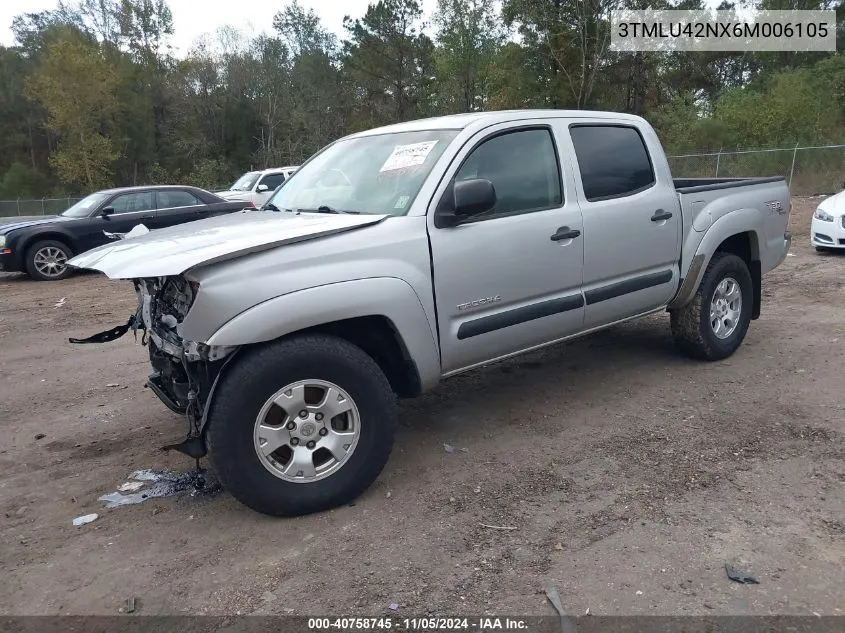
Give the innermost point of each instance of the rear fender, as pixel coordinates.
(389, 297)
(733, 223)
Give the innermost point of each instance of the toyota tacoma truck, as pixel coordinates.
(404, 255)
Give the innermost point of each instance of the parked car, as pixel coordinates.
(258, 186)
(827, 228)
(454, 242)
(43, 247)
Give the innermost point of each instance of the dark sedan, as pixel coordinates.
(43, 247)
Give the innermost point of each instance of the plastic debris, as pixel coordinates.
(86, 518)
(552, 594)
(393, 606)
(113, 384)
(40, 436)
(130, 606)
(740, 576)
(448, 448)
(150, 484)
(130, 486)
(60, 302)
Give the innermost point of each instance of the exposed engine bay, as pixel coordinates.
(184, 373)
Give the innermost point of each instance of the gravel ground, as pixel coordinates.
(630, 474)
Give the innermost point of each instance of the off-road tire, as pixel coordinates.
(253, 378)
(691, 328)
(29, 260)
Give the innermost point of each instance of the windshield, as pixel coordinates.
(245, 182)
(83, 208)
(370, 174)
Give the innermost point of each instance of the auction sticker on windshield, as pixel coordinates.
(404, 156)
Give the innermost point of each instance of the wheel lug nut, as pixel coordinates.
(303, 414)
(291, 426)
(311, 444)
(319, 416)
(324, 432)
(294, 441)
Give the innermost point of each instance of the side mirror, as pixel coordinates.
(106, 211)
(262, 188)
(473, 197)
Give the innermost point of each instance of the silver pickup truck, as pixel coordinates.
(400, 256)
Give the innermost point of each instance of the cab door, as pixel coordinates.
(632, 220)
(509, 279)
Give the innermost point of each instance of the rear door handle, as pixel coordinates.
(660, 214)
(565, 233)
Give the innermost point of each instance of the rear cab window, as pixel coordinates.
(613, 160)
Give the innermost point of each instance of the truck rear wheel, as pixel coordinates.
(713, 325)
(301, 425)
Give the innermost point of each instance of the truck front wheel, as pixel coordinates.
(713, 325)
(301, 425)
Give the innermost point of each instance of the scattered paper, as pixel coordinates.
(404, 156)
(60, 302)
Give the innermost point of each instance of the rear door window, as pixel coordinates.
(170, 199)
(613, 161)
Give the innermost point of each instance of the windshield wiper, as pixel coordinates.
(270, 207)
(326, 209)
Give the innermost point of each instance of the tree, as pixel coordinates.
(389, 60)
(468, 37)
(75, 84)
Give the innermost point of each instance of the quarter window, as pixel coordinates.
(523, 168)
(613, 161)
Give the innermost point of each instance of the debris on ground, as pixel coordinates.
(131, 486)
(40, 436)
(160, 483)
(393, 606)
(448, 448)
(60, 302)
(740, 576)
(552, 594)
(128, 606)
(86, 518)
(497, 527)
(113, 384)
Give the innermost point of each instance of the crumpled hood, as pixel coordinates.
(5, 228)
(172, 251)
(835, 205)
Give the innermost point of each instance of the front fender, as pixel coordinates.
(703, 246)
(389, 297)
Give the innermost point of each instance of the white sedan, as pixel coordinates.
(827, 230)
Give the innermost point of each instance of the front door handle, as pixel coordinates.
(565, 233)
(660, 214)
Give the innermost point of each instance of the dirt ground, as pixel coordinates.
(631, 474)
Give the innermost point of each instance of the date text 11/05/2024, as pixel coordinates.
(417, 624)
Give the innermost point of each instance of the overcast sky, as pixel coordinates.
(193, 18)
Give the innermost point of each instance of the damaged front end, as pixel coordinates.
(185, 373)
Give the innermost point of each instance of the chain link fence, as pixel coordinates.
(40, 206)
(809, 170)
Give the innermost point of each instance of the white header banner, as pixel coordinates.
(706, 30)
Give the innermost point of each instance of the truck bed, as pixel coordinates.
(696, 185)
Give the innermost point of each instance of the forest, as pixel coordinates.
(92, 95)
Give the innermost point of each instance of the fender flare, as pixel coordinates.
(29, 237)
(733, 223)
(389, 297)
